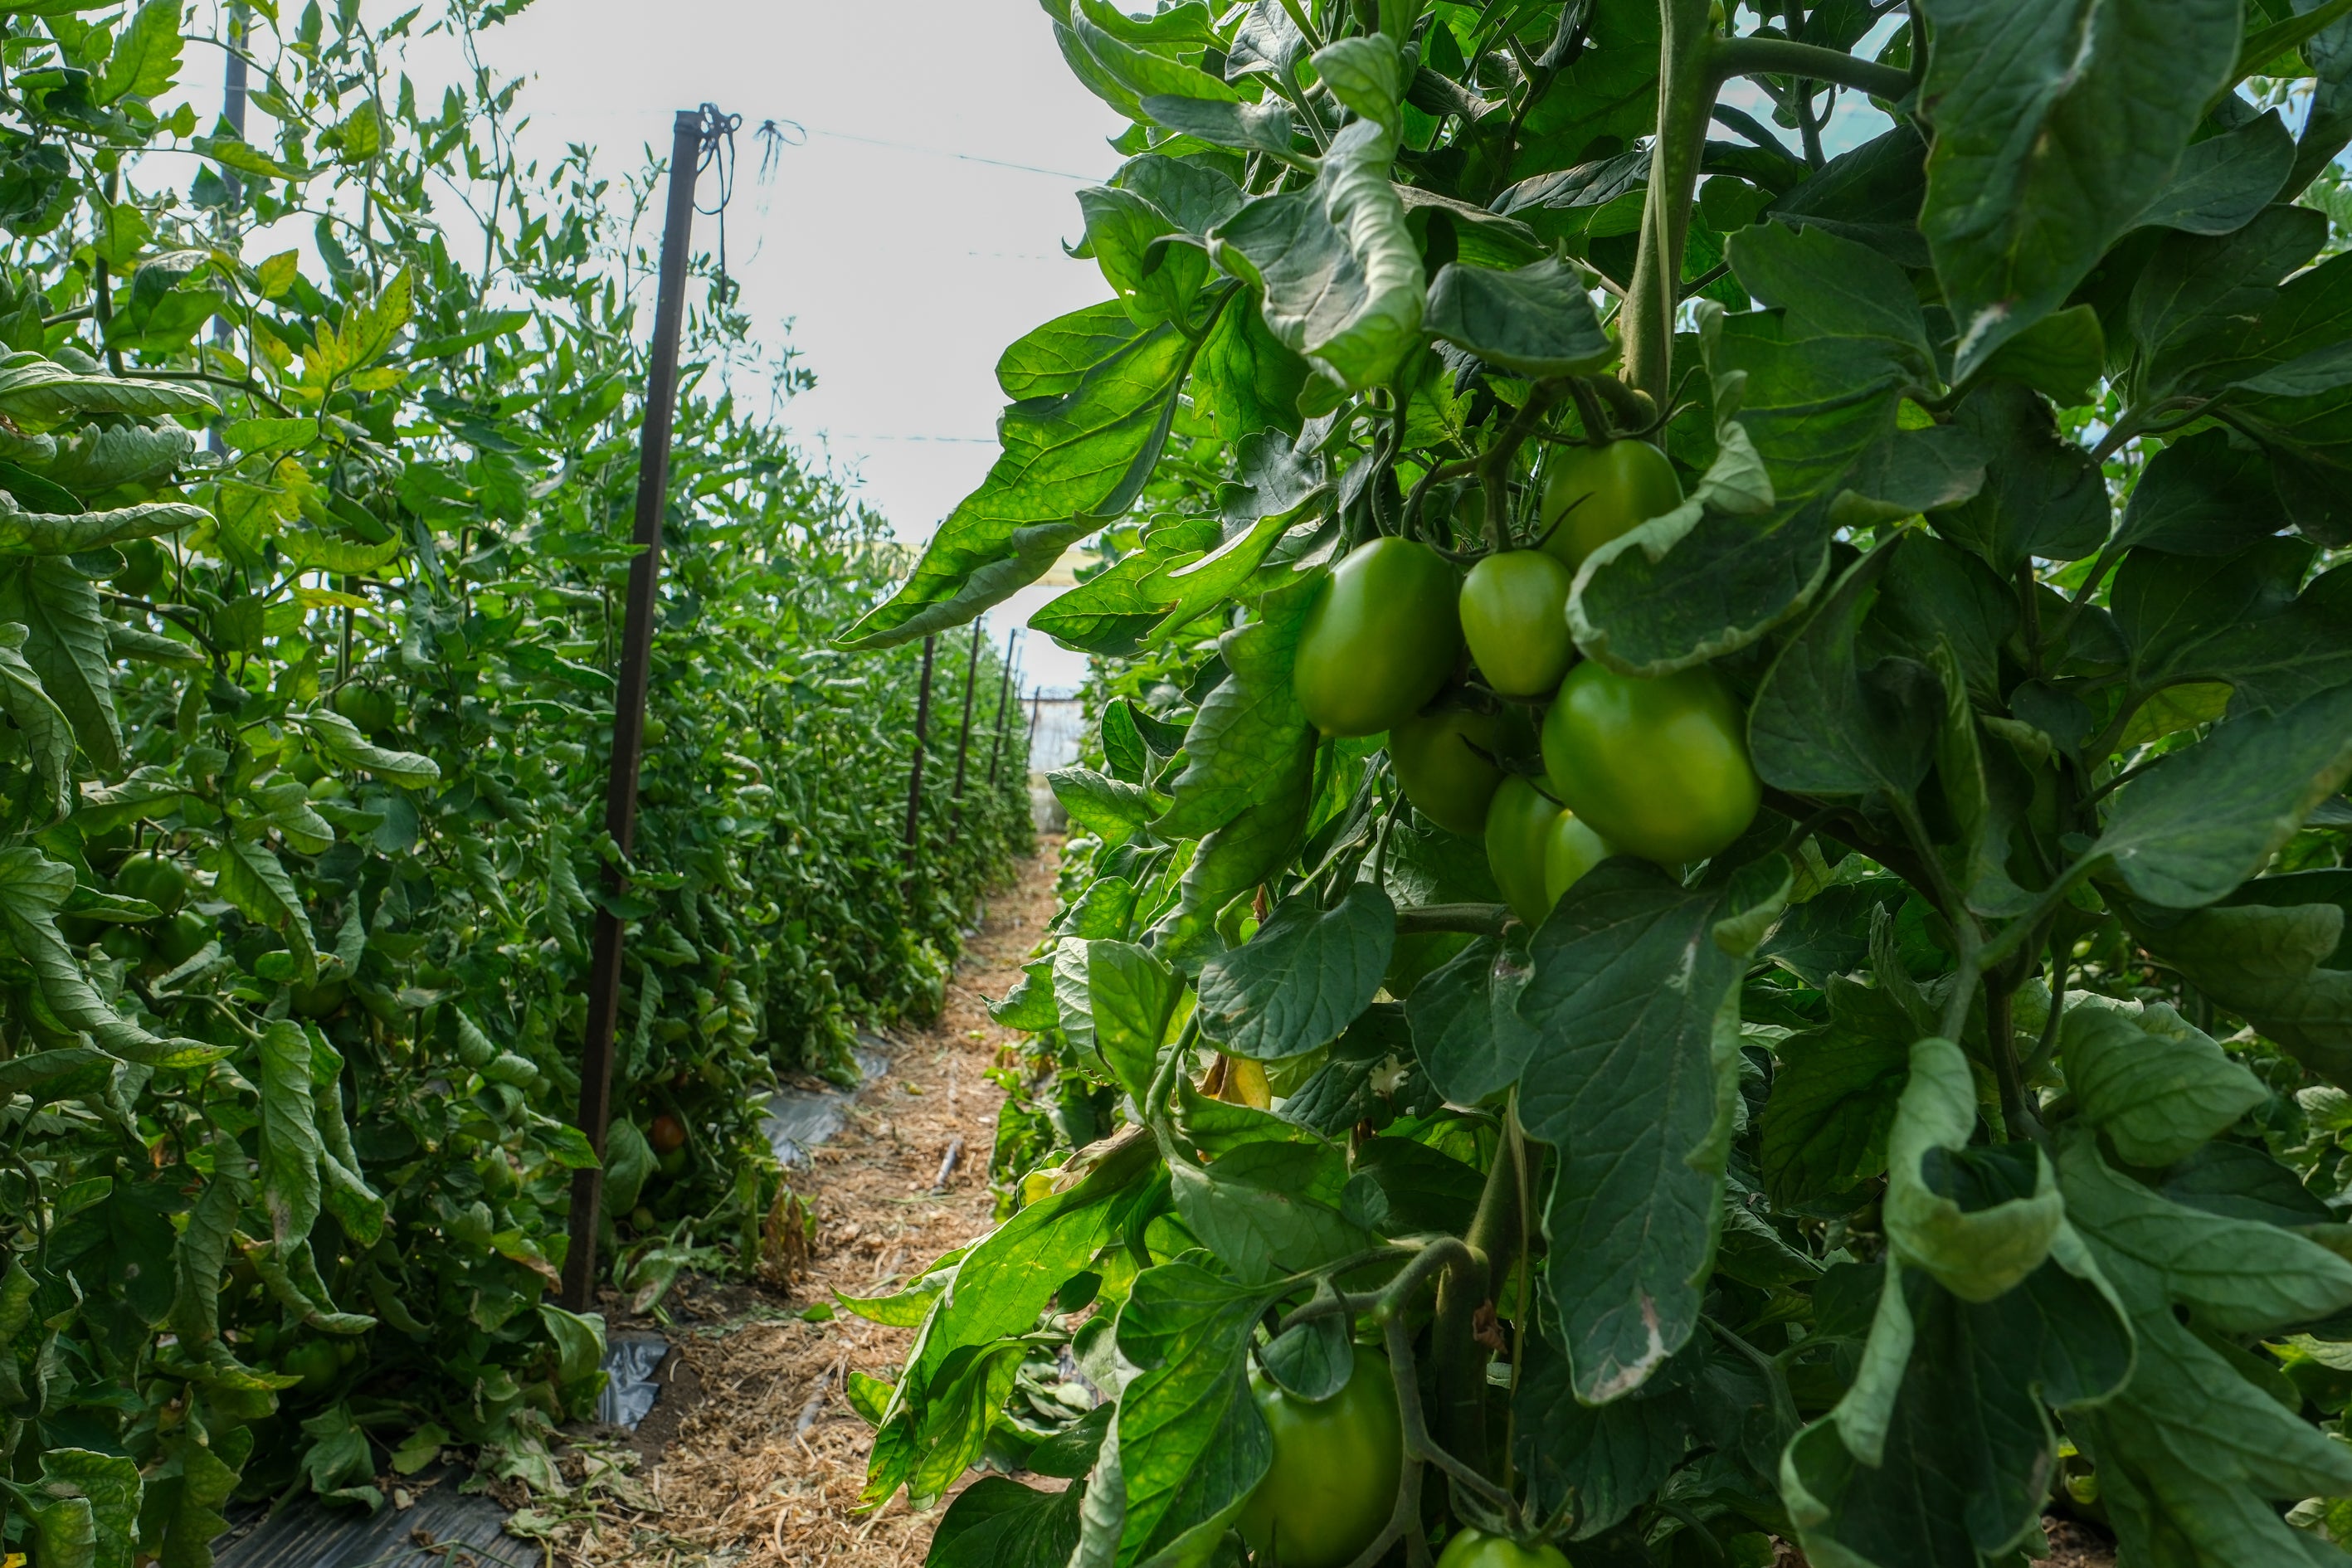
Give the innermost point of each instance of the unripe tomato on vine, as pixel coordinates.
(1592, 494)
(1659, 768)
(1381, 638)
(1337, 1462)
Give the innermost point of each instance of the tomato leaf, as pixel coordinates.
(1302, 979)
(1634, 1086)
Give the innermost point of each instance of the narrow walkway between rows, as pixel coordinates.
(766, 1459)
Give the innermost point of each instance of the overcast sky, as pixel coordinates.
(900, 271)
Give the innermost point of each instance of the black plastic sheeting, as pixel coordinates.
(445, 1528)
(631, 1362)
(800, 1118)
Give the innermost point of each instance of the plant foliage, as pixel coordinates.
(309, 588)
(1962, 1140)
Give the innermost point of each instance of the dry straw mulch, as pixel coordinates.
(768, 1465)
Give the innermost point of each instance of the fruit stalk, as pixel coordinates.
(1461, 1356)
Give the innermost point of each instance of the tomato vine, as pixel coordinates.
(1855, 1060)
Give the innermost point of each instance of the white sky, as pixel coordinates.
(900, 274)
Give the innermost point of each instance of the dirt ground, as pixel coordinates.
(761, 1458)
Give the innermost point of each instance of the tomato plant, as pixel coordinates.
(1937, 1112)
(309, 571)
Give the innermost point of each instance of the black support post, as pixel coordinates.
(629, 702)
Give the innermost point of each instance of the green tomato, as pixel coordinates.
(315, 1363)
(183, 937)
(127, 944)
(1333, 1482)
(1596, 493)
(1474, 1548)
(323, 1000)
(1515, 618)
(672, 1164)
(144, 561)
(1380, 640)
(1659, 768)
(1447, 781)
(161, 882)
(1570, 849)
(371, 708)
(1519, 828)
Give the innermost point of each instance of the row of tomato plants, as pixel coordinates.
(309, 597)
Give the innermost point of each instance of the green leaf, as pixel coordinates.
(1467, 1032)
(1244, 127)
(1142, 72)
(2238, 621)
(2223, 181)
(1829, 286)
(250, 875)
(1270, 1208)
(1608, 1458)
(2206, 495)
(1155, 281)
(48, 533)
(1007, 1278)
(1189, 1442)
(2189, 1454)
(1112, 810)
(1302, 979)
(185, 1497)
(1976, 1252)
(290, 1149)
(2060, 356)
(2206, 818)
(2156, 1085)
(1340, 277)
(1536, 320)
(2043, 496)
(1635, 991)
(2273, 955)
(66, 642)
(32, 887)
(1132, 996)
(1834, 1096)
(2190, 306)
(146, 60)
(1251, 741)
(1313, 1360)
(37, 393)
(1961, 1447)
(1000, 1523)
(46, 734)
(1072, 461)
(1826, 722)
(1367, 74)
(407, 769)
(2012, 226)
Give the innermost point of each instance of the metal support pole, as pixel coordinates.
(964, 737)
(629, 703)
(1036, 712)
(922, 743)
(1003, 689)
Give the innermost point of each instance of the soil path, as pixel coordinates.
(767, 1465)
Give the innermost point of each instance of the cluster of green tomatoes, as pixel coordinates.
(1655, 768)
